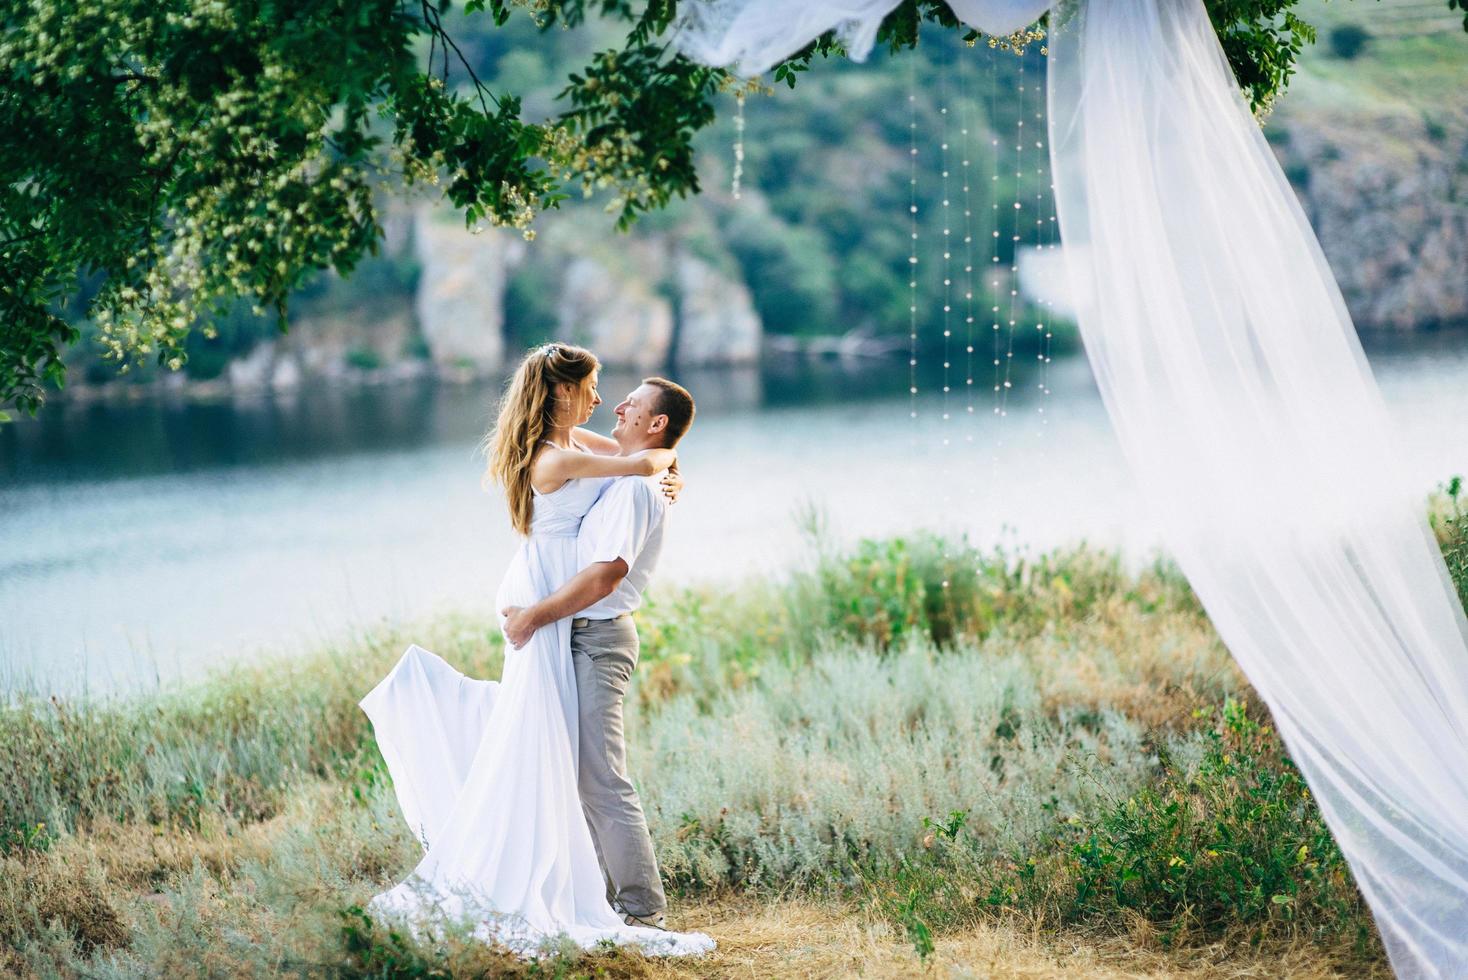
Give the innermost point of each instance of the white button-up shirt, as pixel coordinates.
(626, 523)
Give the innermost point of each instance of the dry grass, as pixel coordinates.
(795, 937)
(1157, 667)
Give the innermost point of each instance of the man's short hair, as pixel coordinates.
(676, 403)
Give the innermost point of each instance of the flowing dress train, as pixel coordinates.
(485, 774)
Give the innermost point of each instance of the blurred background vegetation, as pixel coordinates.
(819, 233)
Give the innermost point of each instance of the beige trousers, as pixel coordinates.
(604, 653)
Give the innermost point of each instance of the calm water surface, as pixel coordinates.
(145, 542)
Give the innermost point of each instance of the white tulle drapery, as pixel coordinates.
(1238, 390)
(752, 36)
(1240, 395)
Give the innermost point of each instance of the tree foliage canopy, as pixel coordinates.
(184, 153)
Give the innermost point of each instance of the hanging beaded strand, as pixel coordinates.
(1046, 234)
(912, 256)
(944, 131)
(1007, 221)
(966, 125)
(994, 217)
(738, 145)
(1014, 240)
(947, 248)
(992, 278)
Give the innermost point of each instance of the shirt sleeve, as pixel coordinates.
(621, 522)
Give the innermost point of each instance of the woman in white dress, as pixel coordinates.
(485, 772)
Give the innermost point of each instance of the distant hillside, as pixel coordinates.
(1374, 136)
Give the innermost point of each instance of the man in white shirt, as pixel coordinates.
(619, 543)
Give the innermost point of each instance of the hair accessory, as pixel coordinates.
(550, 349)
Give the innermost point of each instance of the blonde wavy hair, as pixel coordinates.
(527, 412)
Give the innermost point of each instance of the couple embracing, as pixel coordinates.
(518, 789)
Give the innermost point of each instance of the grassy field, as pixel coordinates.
(909, 756)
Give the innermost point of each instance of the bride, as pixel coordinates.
(485, 772)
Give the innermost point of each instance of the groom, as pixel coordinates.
(618, 546)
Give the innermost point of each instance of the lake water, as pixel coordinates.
(149, 541)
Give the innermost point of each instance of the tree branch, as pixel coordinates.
(435, 25)
(33, 233)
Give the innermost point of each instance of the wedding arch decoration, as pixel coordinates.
(1238, 390)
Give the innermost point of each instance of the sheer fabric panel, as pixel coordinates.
(752, 36)
(1238, 390)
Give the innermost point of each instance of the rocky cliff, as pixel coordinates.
(1388, 196)
(644, 301)
(460, 300)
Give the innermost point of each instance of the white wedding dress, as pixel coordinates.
(485, 773)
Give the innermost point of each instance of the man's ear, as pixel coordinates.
(658, 424)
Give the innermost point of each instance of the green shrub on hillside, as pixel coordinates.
(791, 273)
(362, 359)
(531, 295)
(1349, 40)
